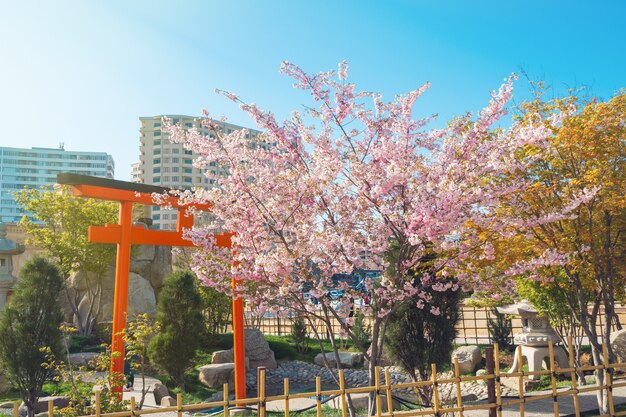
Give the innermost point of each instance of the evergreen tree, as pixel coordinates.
(29, 324)
(416, 337)
(179, 313)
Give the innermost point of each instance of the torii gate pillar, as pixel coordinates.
(125, 234)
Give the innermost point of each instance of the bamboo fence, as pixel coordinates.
(383, 394)
(472, 328)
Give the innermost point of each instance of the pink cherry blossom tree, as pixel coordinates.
(333, 188)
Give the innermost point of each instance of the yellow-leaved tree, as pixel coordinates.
(580, 254)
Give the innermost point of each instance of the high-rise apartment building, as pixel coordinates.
(168, 164)
(38, 167)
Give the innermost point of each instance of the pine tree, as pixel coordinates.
(29, 324)
(179, 313)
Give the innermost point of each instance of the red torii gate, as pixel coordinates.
(125, 234)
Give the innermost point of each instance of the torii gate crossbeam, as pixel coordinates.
(125, 234)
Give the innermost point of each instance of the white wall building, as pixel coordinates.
(168, 164)
(38, 167)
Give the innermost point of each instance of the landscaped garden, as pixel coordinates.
(470, 213)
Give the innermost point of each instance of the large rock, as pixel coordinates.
(469, 358)
(226, 356)
(258, 350)
(141, 299)
(154, 263)
(215, 376)
(82, 359)
(42, 405)
(168, 401)
(160, 391)
(360, 401)
(347, 359)
(223, 356)
(618, 343)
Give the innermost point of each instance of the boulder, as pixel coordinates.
(216, 375)
(82, 358)
(258, 350)
(8, 404)
(42, 405)
(347, 359)
(160, 391)
(618, 343)
(168, 401)
(468, 357)
(360, 401)
(226, 356)
(154, 263)
(141, 299)
(223, 356)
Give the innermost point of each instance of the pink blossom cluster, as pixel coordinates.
(340, 185)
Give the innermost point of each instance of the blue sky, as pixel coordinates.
(83, 72)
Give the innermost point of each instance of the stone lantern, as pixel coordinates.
(8, 248)
(534, 338)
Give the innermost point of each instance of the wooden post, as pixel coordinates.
(555, 403)
(98, 405)
(491, 383)
(16, 408)
(179, 404)
(433, 376)
(498, 385)
(50, 408)
(520, 369)
(261, 390)
(388, 392)
(459, 394)
(318, 395)
(342, 388)
(133, 405)
(226, 400)
(286, 392)
(573, 374)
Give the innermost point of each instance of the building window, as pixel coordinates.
(157, 133)
(157, 142)
(157, 124)
(175, 150)
(187, 179)
(156, 152)
(187, 170)
(175, 178)
(175, 169)
(175, 160)
(187, 161)
(157, 161)
(156, 179)
(156, 170)
(188, 152)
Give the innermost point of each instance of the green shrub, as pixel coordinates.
(179, 313)
(501, 329)
(299, 333)
(29, 328)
